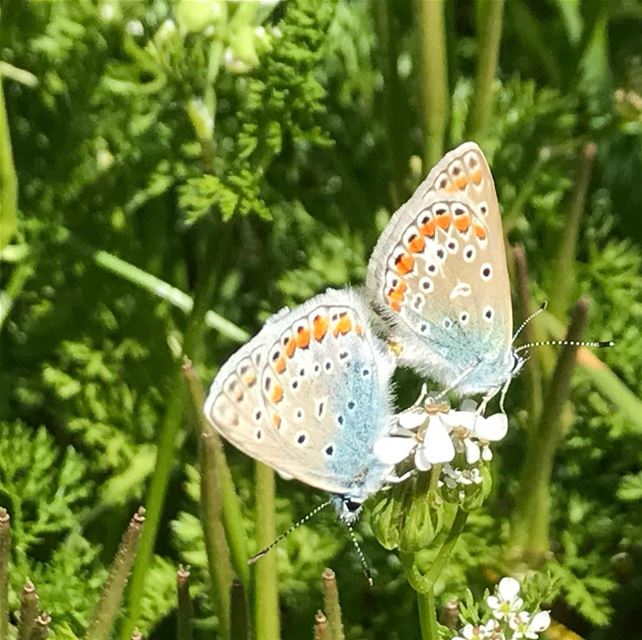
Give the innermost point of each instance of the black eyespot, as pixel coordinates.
(486, 272)
(459, 212)
(328, 366)
(340, 419)
(431, 268)
(302, 372)
(441, 211)
(343, 355)
(275, 356)
(469, 253)
(257, 415)
(443, 183)
(351, 404)
(301, 439)
(451, 245)
(268, 383)
(320, 409)
(366, 372)
(488, 314)
(259, 434)
(329, 450)
(456, 171)
(440, 253)
(295, 384)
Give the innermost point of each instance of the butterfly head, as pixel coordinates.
(348, 507)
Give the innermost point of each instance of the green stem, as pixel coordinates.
(8, 179)
(427, 615)
(434, 84)
(532, 514)
(157, 287)
(239, 627)
(5, 552)
(564, 272)
(490, 33)
(266, 594)
(14, 288)
(215, 466)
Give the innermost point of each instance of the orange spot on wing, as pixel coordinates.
(395, 296)
(476, 177)
(358, 329)
(289, 344)
(450, 187)
(277, 394)
(480, 232)
(276, 420)
(462, 222)
(319, 327)
(416, 244)
(302, 337)
(280, 365)
(343, 324)
(404, 263)
(461, 182)
(444, 220)
(249, 379)
(395, 305)
(428, 228)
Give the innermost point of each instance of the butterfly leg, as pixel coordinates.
(392, 479)
(458, 380)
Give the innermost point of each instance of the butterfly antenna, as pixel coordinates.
(542, 307)
(286, 533)
(563, 343)
(362, 557)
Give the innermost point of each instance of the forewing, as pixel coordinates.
(439, 273)
(309, 394)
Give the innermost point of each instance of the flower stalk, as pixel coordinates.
(434, 81)
(532, 514)
(184, 610)
(239, 627)
(108, 606)
(321, 630)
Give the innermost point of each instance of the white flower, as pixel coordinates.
(526, 627)
(135, 28)
(506, 601)
(483, 632)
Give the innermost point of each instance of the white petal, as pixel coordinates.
(393, 450)
(437, 445)
(472, 451)
(540, 622)
(412, 419)
(455, 419)
(421, 461)
(486, 454)
(493, 428)
(492, 602)
(508, 589)
(468, 405)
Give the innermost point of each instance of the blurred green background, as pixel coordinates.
(161, 159)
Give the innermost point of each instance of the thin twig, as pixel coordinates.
(184, 610)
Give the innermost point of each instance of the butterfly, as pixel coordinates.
(309, 395)
(438, 276)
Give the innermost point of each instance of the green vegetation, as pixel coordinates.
(172, 172)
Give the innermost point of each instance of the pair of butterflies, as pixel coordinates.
(310, 395)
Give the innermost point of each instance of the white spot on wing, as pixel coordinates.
(461, 289)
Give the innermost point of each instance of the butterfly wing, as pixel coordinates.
(309, 395)
(439, 275)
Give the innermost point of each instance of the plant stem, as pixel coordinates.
(427, 615)
(332, 606)
(321, 630)
(8, 179)
(184, 610)
(239, 627)
(5, 552)
(157, 287)
(564, 271)
(216, 463)
(266, 594)
(490, 33)
(444, 553)
(434, 82)
(532, 514)
(108, 607)
(14, 288)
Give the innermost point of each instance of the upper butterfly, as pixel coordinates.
(309, 396)
(438, 274)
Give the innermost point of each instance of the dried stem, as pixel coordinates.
(332, 605)
(108, 606)
(28, 610)
(266, 594)
(321, 630)
(217, 464)
(185, 609)
(41, 630)
(239, 627)
(432, 35)
(565, 271)
(5, 552)
(531, 518)
(490, 27)
(533, 370)
(450, 614)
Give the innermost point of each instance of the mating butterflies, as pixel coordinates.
(310, 395)
(438, 274)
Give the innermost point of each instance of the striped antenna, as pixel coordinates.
(564, 343)
(542, 307)
(286, 533)
(362, 557)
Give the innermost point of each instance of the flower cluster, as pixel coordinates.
(434, 433)
(508, 621)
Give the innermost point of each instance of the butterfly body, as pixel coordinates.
(438, 275)
(309, 395)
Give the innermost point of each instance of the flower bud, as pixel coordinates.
(194, 16)
(424, 518)
(386, 517)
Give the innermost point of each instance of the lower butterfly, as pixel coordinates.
(310, 395)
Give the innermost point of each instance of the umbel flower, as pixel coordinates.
(435, 433)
